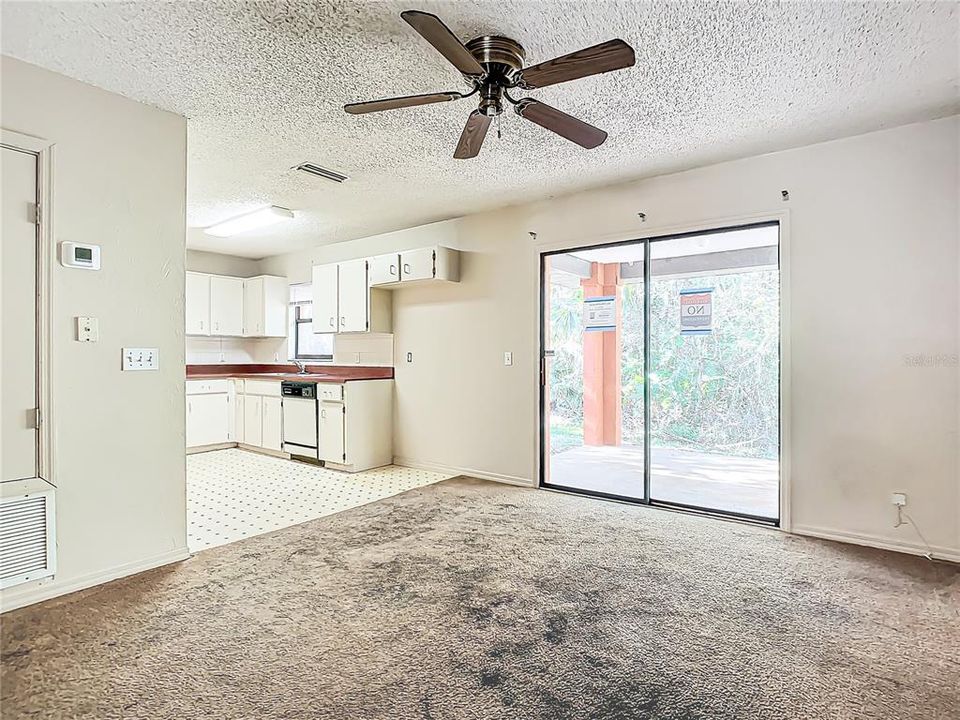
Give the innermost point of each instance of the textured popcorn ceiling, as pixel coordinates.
(262, 84)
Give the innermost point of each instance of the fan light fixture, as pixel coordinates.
(250, 221)
(493, 65)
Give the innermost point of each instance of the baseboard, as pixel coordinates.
(47, 589)
(208, 448)
(451, 470)
(264, 451)
(876, 541)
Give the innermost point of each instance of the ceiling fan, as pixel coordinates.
(493, 65)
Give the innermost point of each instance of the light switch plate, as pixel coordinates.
(508, 358)
(141, 359)
(88, 329)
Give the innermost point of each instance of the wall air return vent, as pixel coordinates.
(27, 547)
(314, 169)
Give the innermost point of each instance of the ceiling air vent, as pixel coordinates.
(314, 169)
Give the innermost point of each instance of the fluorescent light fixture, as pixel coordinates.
(249, 221)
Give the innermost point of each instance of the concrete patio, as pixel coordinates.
(726, 483)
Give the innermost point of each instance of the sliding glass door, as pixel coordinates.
(660, 376)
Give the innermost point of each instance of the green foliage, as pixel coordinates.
(712, 393)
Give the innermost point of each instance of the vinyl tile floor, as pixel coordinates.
(235, 494)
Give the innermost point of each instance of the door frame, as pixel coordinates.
(543, 248)
(44, 151)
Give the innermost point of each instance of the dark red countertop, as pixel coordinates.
(279, 371)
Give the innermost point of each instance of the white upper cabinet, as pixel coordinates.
(420, 265)
(197, 304)
(265, 303)
(344, 302)
(352, 296)
(219, 305)
(324, 287)
(226, 305)
(384, 269)
(417, 264)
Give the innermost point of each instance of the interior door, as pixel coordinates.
(324, 289)
(353, 295)
(18, 306)
(331, 432)
(197, 304)
(226, 305)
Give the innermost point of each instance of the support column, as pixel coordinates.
(601, 363)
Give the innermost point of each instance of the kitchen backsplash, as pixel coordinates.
(359, 349)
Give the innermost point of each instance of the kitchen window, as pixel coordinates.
(304, 344)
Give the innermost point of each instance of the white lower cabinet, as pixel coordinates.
(331, 432)
(235, 419)
(356, 426)
(271, 429)
(253, 420)
(207, 413)
(262, 414)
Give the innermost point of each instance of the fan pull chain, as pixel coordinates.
(498, 128)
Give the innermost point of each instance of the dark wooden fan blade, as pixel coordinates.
(439, 35)
(583, 134)
(611, 55)
(400, 102)
(472, 136)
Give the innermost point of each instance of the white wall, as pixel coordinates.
(118, 459)
(873, 294)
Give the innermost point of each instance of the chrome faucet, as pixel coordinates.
(301, 367)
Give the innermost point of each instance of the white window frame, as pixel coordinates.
(296, 321)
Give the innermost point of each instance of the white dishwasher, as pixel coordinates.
(300, 419)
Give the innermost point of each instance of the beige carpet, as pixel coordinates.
(474, 600)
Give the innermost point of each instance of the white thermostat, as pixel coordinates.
(78, 255)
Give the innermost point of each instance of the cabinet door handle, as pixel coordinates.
(343, 320)
(393, 269)
(333, 322)
(201, 324)
(323, 413)
(406, 268)
(216, 326)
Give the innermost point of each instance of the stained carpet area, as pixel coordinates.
(467, 599)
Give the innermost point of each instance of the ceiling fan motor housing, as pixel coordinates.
(502, 59)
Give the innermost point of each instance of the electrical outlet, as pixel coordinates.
(508, 358)
(898, 499)
(88, 329)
